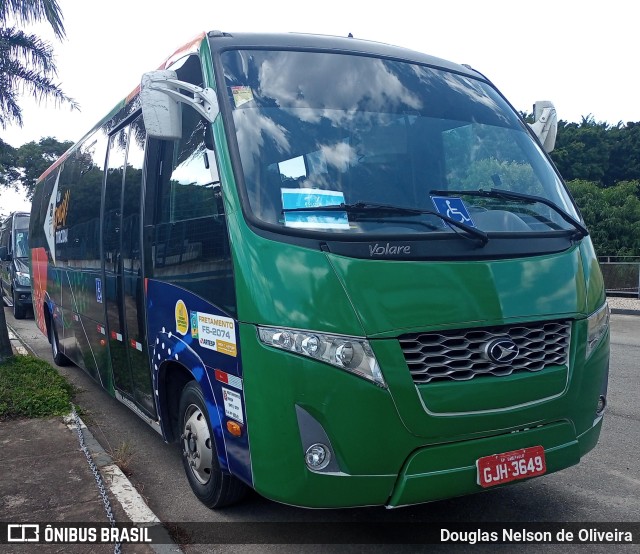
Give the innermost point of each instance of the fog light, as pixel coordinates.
(602, 404)
(317, 457)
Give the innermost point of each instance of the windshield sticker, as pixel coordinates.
(182, 318)
(453, 207)
(215, 332)
(293, 199)
(241, 95)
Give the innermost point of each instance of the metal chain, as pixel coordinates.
(97, 476)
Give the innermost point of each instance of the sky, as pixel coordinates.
(582, 55)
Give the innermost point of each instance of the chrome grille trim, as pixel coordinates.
(459, 355)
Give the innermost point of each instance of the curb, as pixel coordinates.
(624, 312)
(116, 481)
(121, 488)
(16, 342)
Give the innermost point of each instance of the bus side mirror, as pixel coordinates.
(161, 94)
(545, 125)
(162, 114)
(4, 254)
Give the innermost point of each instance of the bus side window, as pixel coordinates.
(190, 190)
(190, 241)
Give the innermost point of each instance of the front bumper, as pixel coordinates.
(389, 450)
(22, 296)
(444, 471)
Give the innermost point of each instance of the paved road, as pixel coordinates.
(604, 487)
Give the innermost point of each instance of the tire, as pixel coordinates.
(212, 486)
(19, 311)
(58, 357)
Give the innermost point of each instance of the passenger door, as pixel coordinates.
(123, 279)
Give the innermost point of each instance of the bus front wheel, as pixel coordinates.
(214, 487)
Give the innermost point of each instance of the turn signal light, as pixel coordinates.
(234, 428)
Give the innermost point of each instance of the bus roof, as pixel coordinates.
(221, 41)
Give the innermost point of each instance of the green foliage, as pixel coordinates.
(582, 150)
(32, 11)
(22, 166)
(26, 61)
(30, 387)
(35, 157)
(598, 152)
(9, 172)
(612, 215)
(624, 159)
(601, 164)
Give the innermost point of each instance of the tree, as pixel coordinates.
(9, 173)
(612, 215)
(35, 157)
(598, 152)
(624, 161)
(26, 65)
(26, 61)
(582, 150)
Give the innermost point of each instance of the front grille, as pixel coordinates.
(460, 355)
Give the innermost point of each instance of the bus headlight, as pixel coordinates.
(597, 325)
(352, 354)
(23, 279)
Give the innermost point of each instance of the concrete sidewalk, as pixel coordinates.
(46, 477)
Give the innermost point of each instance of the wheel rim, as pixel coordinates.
(196, 443)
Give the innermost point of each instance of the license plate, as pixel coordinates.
(511, 466)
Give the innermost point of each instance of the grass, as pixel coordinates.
(30, 387)
(122, 456)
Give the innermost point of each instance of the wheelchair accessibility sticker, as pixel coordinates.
(453, 207)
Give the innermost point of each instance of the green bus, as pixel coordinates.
(339, 272)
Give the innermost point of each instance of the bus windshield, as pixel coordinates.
(321, 129)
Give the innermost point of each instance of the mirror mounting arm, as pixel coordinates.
(161, 96)
(204, 100)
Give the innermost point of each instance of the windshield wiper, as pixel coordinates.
(374, 208)
(581, 230)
